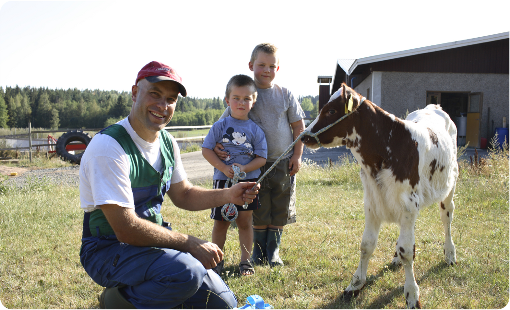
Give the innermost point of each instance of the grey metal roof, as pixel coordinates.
(349, 65)
(346, 64)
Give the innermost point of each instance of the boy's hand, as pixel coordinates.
(228, 171)
(241, 167)
(295, 161)
(294, 164)
(219, 150)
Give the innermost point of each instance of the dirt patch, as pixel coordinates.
(196, 167)
(7, 170)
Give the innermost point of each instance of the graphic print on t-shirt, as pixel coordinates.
(237, 139)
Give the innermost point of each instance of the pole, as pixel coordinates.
(30, 140)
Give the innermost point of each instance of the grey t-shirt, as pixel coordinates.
(275, 109)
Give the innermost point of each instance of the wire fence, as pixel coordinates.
(52, 141)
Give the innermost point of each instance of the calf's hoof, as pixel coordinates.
(348, 294)
(412, 303)
(451, 258)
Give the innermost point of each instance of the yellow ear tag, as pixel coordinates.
(350, 103)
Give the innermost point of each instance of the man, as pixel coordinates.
(124, 175)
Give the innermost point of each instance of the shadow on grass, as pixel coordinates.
(230, 272)
(381, 301)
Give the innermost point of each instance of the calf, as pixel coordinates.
(406, 165)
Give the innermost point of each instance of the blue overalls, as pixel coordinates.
(151, 277)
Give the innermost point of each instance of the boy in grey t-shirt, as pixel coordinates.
(280, 116)
(246, 146)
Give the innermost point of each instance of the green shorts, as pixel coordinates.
(277, 196)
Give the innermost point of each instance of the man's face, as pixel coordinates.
(153, 107)
(264, 69)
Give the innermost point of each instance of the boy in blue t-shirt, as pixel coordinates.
(245, 143)
(280, 116)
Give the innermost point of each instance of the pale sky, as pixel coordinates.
(103, 44)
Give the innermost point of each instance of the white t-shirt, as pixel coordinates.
(104, 169)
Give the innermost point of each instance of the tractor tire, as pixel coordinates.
(68, 137)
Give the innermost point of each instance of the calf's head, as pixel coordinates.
(337, 107)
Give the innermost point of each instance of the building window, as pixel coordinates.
(433, 98)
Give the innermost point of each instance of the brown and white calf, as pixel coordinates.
(406, 165)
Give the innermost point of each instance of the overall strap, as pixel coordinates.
(148, 185)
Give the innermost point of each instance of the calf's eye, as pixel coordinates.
(331, 112)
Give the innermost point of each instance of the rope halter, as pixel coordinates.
(348, 111)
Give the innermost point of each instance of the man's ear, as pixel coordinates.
(134, 91)
(250, 65)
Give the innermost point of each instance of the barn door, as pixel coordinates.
(474, 115)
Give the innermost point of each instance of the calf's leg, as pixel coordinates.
(406, 252)
(446, 210)
(368, 244)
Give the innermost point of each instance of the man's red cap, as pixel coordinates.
(156, 72)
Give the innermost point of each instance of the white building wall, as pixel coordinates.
(372, 82)
(407, 91)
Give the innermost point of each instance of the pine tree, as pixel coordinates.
(120, 108)
(54, 123)
(44, 112)
(24, 111)
(4, 117)
(12, 112)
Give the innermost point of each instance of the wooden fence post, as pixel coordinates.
(30, 140)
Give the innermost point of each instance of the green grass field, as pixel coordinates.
(41, 230)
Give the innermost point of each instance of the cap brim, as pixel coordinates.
(156, 79)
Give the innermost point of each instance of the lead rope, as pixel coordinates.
(348, 111)
(229, 210)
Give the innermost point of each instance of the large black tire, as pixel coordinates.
(68, 137)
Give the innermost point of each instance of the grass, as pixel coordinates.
(191, 133)
(41, 230)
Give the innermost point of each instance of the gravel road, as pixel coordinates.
(197, 168)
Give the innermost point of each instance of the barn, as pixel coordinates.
(468, 78)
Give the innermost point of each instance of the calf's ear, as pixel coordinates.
(348, 105)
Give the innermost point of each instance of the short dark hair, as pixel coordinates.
(241, 80)
(267, 48)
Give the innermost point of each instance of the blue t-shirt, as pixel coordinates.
(242, 140)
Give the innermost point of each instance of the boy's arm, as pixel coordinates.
(295, 161)
(219, 151)
(255, 164)
(211, 157)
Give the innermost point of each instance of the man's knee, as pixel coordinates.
(185, 271)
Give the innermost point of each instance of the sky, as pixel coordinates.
(103, 44)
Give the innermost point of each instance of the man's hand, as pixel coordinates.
(207, 253)
(219, 150)
(131, 229)
(242, 192)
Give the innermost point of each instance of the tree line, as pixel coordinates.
(74, 108)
